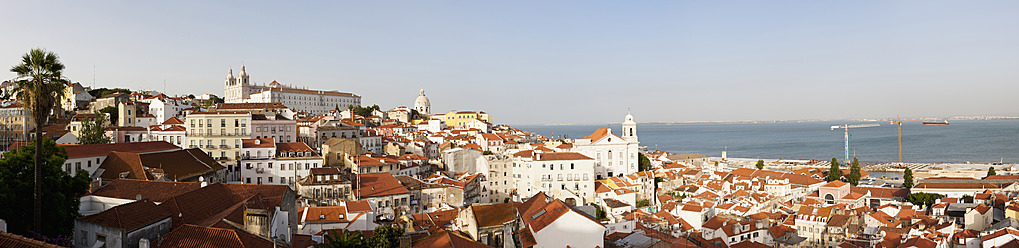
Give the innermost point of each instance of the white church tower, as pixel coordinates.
(629, 128)
(237, 89)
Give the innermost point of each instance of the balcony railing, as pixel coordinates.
(259, 170)
(224, 146)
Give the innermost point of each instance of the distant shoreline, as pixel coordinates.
(980, 118)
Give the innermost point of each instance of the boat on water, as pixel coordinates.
(939, 123)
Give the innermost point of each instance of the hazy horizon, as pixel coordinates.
(529, 62)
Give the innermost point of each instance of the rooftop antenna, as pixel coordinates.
(93, 75)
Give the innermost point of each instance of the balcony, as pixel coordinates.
(224, 146)
(195, 146)
(259, 170)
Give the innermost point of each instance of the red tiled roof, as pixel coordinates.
(158, 191)
(494, 214)
(552, 156)
(199, 237)
(178, 165)
(380, 184)
(251, 105)
(259, 143)
(446, 238)
(96, 150)
(955, 186)
(18, 241)
(358, 206)
(324, 214)
(294, 147)
(129, 216)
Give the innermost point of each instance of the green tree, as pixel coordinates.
(760, 164)
(113, 114)
(60, 200)
(907, 178)
(854, 173)
(644, 163)
(990, 171)
(385, 236)
(40, 84)
(643, 203)
(93, 130)
(344, 239)
(598, 212)
(834, 173)
(100, 92)
(923, 199)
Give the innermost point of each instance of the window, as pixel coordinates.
(84, 238)
(270, 178)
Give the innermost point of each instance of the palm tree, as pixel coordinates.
(39, 86)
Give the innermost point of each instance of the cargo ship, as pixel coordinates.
(940, 123)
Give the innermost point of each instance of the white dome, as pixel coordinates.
(422, 101)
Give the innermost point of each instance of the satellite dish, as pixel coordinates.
(138, 197)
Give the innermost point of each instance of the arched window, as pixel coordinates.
(829, 199)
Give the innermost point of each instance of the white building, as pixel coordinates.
(164, 107)
(551, 223)
(568, 176)
(265, 162)
(218, 133)
(240, 89)
(614, 155)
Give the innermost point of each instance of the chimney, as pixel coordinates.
(143, 243)
(258, 141)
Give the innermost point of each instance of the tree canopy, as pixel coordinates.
(112, 111)
(363, 111)
(100, 92)
(644, 164)
(854, 173)
(924, 199)
(60, 199)
(760, 164)
(907, 178)
(385, 236)
(990, 171)
(834, 173)
(93, 130)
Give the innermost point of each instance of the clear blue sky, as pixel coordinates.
(556, 61)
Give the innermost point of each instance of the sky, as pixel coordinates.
(555, 62)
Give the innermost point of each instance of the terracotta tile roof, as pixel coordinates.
(380, 184)
(295, 147)
(446, 238)
(175, 128)
(258, 143)
(84, 151)
(358, 206)
(324, 214)
(199, 237)
(157, 191)
(181, 165)
(494, 214)
(252, 105)
(955, 186)
(221, 113)
(881, 192)
(18, 241)
(304, 91)
(599, 134)
(553, 156)
(834, 184)
(129, 216)
(838, 220)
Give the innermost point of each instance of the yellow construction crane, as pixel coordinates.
(899, 122)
